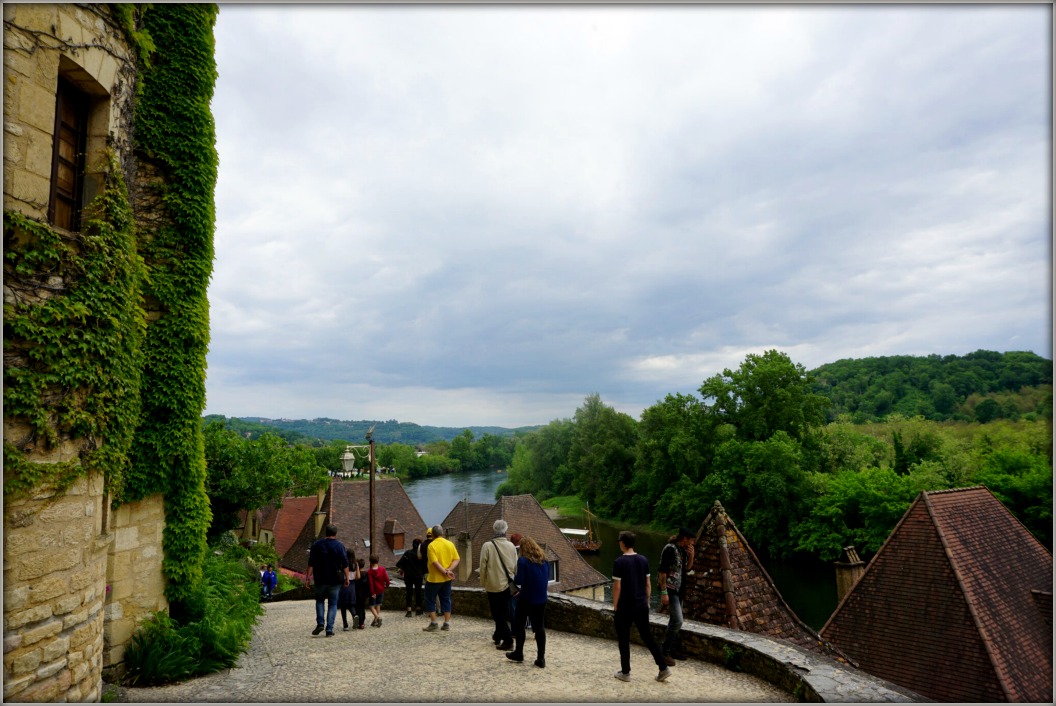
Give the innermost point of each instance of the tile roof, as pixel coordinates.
(525, 516)
(288, 521)
(954, 604)
(347, 505)
(731, 588)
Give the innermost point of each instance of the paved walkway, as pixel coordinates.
(400, 663)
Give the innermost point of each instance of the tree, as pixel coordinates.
(767, 394)
(602, 455)
(247, 475)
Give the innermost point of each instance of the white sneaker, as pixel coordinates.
(664, 674)
(622, 676)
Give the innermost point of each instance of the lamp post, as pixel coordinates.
(370, 440)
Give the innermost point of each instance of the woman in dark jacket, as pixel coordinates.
(533, 576)
(411, 570)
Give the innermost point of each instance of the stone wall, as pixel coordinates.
(55, 555)
(135, 582)
(57, 630)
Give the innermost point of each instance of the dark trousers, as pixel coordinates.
(499, 603)
(361, 606)
(534, 612)
(414, 592)
(639, 617)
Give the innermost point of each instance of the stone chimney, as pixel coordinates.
(848, 572)
(394, 535)
(464, 545)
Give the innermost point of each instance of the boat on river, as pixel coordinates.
(582, 539)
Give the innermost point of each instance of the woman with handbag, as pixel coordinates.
(533, 577)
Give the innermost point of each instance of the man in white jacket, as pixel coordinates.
(498, 564)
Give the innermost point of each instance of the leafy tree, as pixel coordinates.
(540, 463)
(246, 475)
(767, 394)
(602, 455)
(462, 450)
(673, 444)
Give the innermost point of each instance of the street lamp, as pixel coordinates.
(348, 460)
(370, 440)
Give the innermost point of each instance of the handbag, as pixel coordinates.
(514, 588)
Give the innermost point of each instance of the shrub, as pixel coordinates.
(215, 628)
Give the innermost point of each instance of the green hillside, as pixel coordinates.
(385, 432)
(979, 387)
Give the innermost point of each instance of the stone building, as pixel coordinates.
(80, 571)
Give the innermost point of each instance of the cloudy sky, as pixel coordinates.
(468, 215)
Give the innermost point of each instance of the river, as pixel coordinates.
(809, 588)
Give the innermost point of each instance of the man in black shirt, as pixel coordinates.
(328, 567)
(630, 602)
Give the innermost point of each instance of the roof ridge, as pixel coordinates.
(969, 599)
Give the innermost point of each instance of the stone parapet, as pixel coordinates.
(805, 675)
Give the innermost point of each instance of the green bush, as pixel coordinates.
(215, 628)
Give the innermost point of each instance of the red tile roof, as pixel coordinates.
(731, 588)
(953, 605)
(288, 521)
(525, 516)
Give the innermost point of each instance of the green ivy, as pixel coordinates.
(73, 334)
(175, 133)
(82, 364)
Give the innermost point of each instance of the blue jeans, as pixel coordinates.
(326, 592)
(443, 590)
(674, 622)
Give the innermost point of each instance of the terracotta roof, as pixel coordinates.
(954, 605)
(744, 597)
(288, 521)
(525, 516)
(347, 505)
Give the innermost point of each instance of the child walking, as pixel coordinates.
(362, 591)
(346, 597)
(378, 580)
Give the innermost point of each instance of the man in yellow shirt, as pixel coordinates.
(443, 560)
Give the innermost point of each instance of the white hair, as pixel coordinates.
(501, 526)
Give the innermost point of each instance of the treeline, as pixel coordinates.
(321, 430)
(981, 387)
(759, 440)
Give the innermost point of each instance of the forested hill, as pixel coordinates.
(981, 386)
(385, 432)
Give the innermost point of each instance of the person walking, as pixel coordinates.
(630, 603)
(410, 568)
(443, 559)
(498, 563)
(362, 591)
(328, 569)
(533, 577)
(346, 599)
(378, 580)
(269, 580)
(675, 561)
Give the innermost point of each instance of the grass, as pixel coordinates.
(567, 505)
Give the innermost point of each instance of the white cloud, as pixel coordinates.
(457, 215)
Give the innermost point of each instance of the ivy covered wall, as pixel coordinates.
(106, 330)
